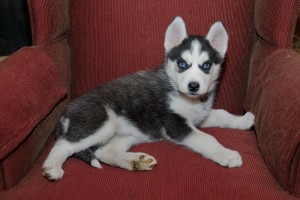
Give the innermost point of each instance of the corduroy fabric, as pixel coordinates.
(275, 21)
(30, 87)
(294, 180)
(180, 174)
(261, 50)
(274, 26)
(274, 97)
(17, 164)
(112, 38)
(49, 25)
(49, 20)
(59, 53)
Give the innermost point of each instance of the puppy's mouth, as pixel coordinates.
(202, 97)
(193, 95)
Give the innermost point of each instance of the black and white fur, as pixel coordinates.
(167, 103)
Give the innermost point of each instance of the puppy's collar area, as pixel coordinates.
(205, 97)
(196, 97)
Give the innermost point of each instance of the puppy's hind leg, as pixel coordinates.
(115, 154)
(223, 119)
(52, 167)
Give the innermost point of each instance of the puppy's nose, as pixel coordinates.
(193, 86)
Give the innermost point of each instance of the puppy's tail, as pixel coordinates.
(89, 157)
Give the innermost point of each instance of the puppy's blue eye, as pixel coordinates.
(206, 66)
(182, 65)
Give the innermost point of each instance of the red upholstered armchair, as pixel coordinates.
(80, 44)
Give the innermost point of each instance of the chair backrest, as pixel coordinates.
(111, 38)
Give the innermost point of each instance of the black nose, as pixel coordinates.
(193, 86)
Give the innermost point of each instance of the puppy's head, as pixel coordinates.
(193, 62)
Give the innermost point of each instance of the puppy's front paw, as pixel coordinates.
(52, 173)
(247, 121)
(228, 158)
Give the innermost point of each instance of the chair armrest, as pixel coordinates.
(30, 86)
(274, 97)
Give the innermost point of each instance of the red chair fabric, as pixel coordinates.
(180, 174)
(28, 92)
(49, 64)
(87, 43)
(49, 21)
(274, 97)
(112, 38)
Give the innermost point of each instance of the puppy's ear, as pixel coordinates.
(175, 34)
(218, 37)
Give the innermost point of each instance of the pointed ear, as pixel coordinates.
(175, 33)
(218, 37)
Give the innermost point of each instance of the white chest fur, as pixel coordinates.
(191, 109)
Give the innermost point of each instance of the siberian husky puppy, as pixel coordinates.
(167, 103)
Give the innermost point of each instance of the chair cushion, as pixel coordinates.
(180, 174)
